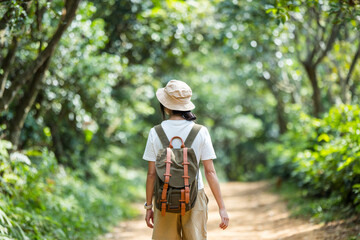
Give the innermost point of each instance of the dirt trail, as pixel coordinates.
(255, 213)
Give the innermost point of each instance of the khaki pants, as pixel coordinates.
(191, 226)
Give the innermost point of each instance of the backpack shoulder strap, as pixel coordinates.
(163, 138)
(192, 135)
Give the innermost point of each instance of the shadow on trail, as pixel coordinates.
(255, 213)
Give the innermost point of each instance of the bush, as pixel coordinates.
(322, 155)
(42, 200)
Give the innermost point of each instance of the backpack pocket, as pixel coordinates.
(174, 197)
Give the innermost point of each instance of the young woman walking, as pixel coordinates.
(175, 102)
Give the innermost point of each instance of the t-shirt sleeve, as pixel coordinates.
(207, 150)
(150, 154)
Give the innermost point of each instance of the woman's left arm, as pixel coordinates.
(213, 181)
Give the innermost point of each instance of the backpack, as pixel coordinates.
(176, 185)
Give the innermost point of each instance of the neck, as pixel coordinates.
(176, 117)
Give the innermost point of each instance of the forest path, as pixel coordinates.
(255, 213)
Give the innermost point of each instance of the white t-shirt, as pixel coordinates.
(202, 144)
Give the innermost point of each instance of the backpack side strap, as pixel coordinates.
(162, 136)
(192, 135)
(166, 183)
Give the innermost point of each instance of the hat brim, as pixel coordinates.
(172, 103)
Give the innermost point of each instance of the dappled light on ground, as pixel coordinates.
(255, 213)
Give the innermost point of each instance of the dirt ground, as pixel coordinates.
(255, 213)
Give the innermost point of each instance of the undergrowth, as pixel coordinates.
(41, 200)
(316, 209)
(322, 156)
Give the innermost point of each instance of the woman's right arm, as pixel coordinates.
(213, 181)
(150, 182)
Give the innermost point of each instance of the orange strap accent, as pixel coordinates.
(182, 142)
(182, 202)
(163, 209)
(166, 183)
(186, 175)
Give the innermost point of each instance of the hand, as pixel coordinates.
(224, 219)
(149, 215)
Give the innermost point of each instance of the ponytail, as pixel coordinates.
(187, 115)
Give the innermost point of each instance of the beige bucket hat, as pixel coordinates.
(176, 95)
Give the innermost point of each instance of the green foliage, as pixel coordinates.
(281, 8)
(42, 200)
(322, 155)
(318, 209)
(224, 107)
(89, 123)
(15, 12)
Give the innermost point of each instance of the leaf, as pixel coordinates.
(19, 157)
(23, 235)
(88, 135)
(35, 153)
(4, 237)
(4, 218)
(3, 230)
(6, 144)
(348, 161)
(47, 131)
(353, 22)
(324, 137)
(271, 10)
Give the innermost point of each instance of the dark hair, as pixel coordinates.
(187, 115)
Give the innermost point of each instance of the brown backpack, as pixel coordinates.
(176, 184)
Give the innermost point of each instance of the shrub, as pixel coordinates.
(322, 155)
(42, 200)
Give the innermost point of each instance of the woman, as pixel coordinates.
(175, 101)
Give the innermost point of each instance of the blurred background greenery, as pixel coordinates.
(276, 83)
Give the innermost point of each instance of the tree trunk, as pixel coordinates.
(5, 66)
(347, 88)
(22, 79)
(56, 140)
(345, 91)
(316, 96)
(25, 104)
(330, 96)
(281, 117)
(280, 111)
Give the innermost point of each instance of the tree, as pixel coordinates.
(34, 72)
(316, 27)
(258, 52)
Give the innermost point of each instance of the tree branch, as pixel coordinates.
(67, 17)
(353, 64)
(26, 102)
(317, 18)
(5, 67)
(331, 40)
(282, 121)
(297, 52)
